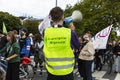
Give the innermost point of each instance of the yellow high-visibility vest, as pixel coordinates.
(59, 56)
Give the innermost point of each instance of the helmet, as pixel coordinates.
(26, 60)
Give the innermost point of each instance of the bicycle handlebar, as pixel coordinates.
(2, 58)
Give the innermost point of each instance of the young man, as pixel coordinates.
(24, 42)
(58, 43)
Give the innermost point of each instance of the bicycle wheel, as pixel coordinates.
(30, 72)
(22, 72)
(2, 73)
(26, 72)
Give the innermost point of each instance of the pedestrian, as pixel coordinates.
(86, 58)
(38, 56)
(31, 36)
(25, 44)
(59, 56)
(117, 58)
(99, 59)
(3, 41)
(12, 50)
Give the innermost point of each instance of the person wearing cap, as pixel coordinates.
(58, 42)
(25, 44)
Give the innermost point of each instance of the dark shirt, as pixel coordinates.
(109, 47)
(75, 43)
(22, 42)
(3, 41)
(117, 49)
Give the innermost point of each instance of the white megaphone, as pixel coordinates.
(76, 17)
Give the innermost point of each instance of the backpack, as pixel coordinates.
(39, 50)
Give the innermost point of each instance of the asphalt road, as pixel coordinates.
(97, 75)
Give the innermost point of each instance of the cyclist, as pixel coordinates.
(25, 43)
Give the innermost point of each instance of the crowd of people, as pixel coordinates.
(56, 47)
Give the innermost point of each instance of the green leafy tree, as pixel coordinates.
(32, 26)
(11, 22)
(97, 14)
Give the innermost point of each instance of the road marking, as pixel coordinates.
(75, 71)
(98, 74)
(101, 79)
(117, 76)
(42, 70)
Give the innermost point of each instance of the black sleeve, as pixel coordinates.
(3, 42)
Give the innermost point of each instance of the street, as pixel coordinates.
(97, 75)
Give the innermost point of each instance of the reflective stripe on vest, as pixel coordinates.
(61, 67)
(59, 56)
(59, 59)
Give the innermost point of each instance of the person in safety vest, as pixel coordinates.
(58, 42)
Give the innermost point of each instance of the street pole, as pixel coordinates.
(56, 3)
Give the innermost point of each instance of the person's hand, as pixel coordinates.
(8, 59)
(118, 52)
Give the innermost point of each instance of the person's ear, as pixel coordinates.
(50, 17)
(62, 18)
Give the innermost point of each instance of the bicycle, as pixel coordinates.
(3, 68)
(26, 69)
(109, 59)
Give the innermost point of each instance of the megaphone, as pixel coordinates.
(75, 17)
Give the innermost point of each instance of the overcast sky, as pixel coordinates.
(35, 8)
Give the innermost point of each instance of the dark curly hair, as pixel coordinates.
(56, 14)
(38, 37)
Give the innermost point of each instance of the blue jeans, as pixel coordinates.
(117, 64)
